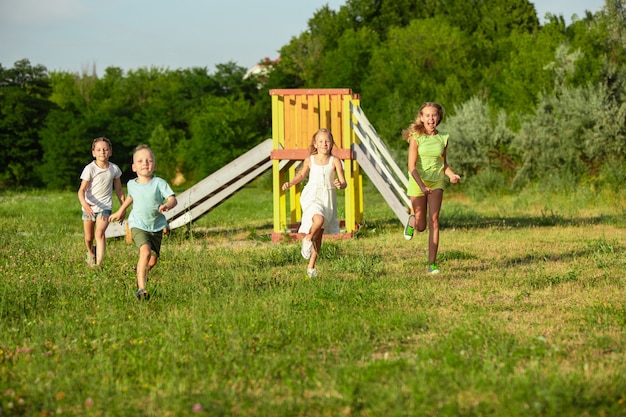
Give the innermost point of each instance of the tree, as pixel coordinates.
(220, 132)
(348, 65)
(425, 61)
(481, 139)
(24, 106)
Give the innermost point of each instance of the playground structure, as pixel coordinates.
(296, 115)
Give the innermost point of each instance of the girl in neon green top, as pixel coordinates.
(427, 170)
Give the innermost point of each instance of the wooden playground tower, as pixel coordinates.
(296, 115)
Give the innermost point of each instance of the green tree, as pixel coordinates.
(220, 132)
(481, 139)
(425, 61)
(348, 65)
(24, 106)
(165, 146)
(514, 82)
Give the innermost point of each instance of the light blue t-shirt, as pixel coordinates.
(146, 201)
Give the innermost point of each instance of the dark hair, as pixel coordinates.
(101, 139)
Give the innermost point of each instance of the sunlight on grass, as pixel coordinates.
(527, 317)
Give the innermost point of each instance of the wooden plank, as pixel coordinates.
(190, 202)
(216, 181)
(309, 91)
(302, 154)
(382, 185)
(365, 128)
(219, 197)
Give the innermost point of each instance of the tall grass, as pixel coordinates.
(528, 317)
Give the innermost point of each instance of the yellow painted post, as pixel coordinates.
(278, 177)
(296, 115)
(346, 128)
(358, 178)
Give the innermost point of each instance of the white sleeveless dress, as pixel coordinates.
(319, 196)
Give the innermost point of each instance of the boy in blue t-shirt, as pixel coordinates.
(146, 220)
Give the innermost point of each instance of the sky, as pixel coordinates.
(90, 35)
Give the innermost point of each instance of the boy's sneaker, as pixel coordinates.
(311, 272)
(142, 295)
(307, 246)
(433, 269)
(408, 229)
(91, 259)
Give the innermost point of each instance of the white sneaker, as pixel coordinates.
(312, 273)
(307, 246)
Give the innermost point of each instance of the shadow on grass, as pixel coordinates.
(461, 219)
(470, 220)
(473, 220)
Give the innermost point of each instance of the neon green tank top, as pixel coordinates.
(430, 156)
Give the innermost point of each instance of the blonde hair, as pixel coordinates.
(141, 148)
(417, 127)
(312, 148)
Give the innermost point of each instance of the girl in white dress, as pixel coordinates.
(319, 196)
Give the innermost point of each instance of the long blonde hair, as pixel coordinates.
(417, 127)
(312, 148)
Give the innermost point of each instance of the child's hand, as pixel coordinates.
(285, 186)
(339, 184)
(88, 210)
(163, 208)
(116, 217)
(455, 178)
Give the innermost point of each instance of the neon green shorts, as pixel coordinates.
(414, 190)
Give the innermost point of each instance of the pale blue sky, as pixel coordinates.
(78, 35)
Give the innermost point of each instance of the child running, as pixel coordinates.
(151, 196)
(319, 196)
(428, 167)
(96, 197)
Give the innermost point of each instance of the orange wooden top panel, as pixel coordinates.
(309, 91)
(302, 154)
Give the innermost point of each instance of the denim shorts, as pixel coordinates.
(106, 213)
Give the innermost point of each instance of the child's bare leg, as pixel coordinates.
(151, 263)
(88, 226)
(419, 210)
(318, 222)
(143, 266)
(434, 207)
(101, 226)
(316, 238)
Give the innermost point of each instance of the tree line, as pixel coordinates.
(525, 102)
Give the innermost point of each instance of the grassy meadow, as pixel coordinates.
(527, 318)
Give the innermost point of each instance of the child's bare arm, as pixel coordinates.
(170, 204)
(121, 212)
(340, 181)
(81, 197)
(119, 191)
(301, 175)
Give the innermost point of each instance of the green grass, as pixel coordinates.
(528, 317)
